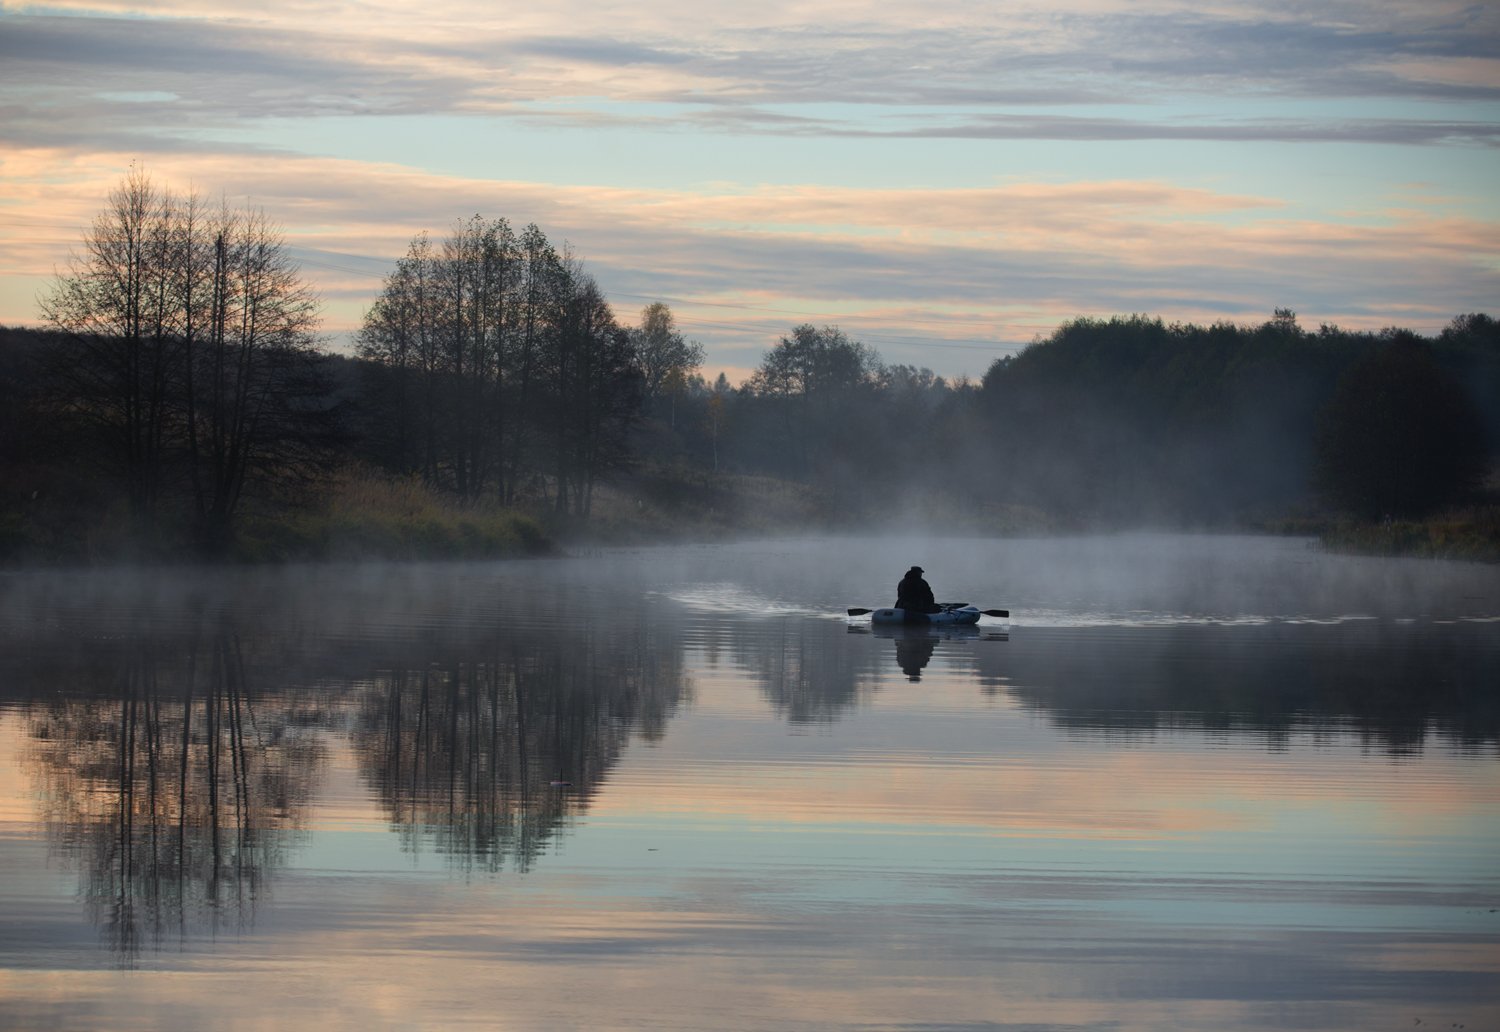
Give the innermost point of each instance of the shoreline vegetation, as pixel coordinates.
(181, 404)
(57, 512)
(368, 515)
(1471, 534)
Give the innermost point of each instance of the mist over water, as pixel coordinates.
(1066, 581)
(1196, 782)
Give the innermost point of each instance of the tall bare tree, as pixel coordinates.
(472, 281)
(116, 297)
(255, 394)
(451, 336)
(191, 354)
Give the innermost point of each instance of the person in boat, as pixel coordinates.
(914, 595)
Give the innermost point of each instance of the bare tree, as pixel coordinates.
(255, 393)
(476, 269)
(117, 300)
(667, 359)
(526, 380)
(716, 413)
(594, 389)
(819, 386)
(538, 306)
(191, 354)
(398, 338)
(457, 336)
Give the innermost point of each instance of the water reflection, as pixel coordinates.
(809, 675)
(172, 785)
(487, 749)
(176, 767)
(1393, 685)
(806, 674)
(913, 653)
(915, 645)
(188, 764)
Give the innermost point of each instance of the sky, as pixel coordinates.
(946, 182)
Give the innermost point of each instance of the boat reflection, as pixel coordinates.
(915, 643)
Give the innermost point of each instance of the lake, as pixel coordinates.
(1195, 782)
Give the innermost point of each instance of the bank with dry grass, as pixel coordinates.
(675, 503)
(365, 515)
(1468, 533)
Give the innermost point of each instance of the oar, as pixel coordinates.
(1002, 614)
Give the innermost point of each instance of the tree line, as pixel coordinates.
(182, 380)
(1127, 421)
(497, 366)
(1229, 423)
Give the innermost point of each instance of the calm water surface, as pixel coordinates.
(1193, 783)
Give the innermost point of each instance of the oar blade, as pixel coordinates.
(1002, 614)
(860, 612)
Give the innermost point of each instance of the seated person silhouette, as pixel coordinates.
(914, 596)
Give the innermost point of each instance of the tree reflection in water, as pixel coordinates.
(176, 769)
(173, 786)
(1394, 686)
(805, 673)
(488, 753)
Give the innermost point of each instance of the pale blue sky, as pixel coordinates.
(945, 185)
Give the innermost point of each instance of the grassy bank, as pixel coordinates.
(358, 515)
(361, 514)
(669, 504)
(1472, 533)
(676, 504)
(365, 516)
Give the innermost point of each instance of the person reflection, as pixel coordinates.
(913, 653)
(171, 787)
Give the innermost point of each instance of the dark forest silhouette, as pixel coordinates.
(181, 396)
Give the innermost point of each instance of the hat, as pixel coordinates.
(916, 569)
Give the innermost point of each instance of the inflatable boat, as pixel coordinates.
(950, 614)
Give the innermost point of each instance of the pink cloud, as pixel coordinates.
(742, 264)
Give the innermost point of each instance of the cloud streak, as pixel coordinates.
(912, 270)
(287, 65)
(949, 189)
